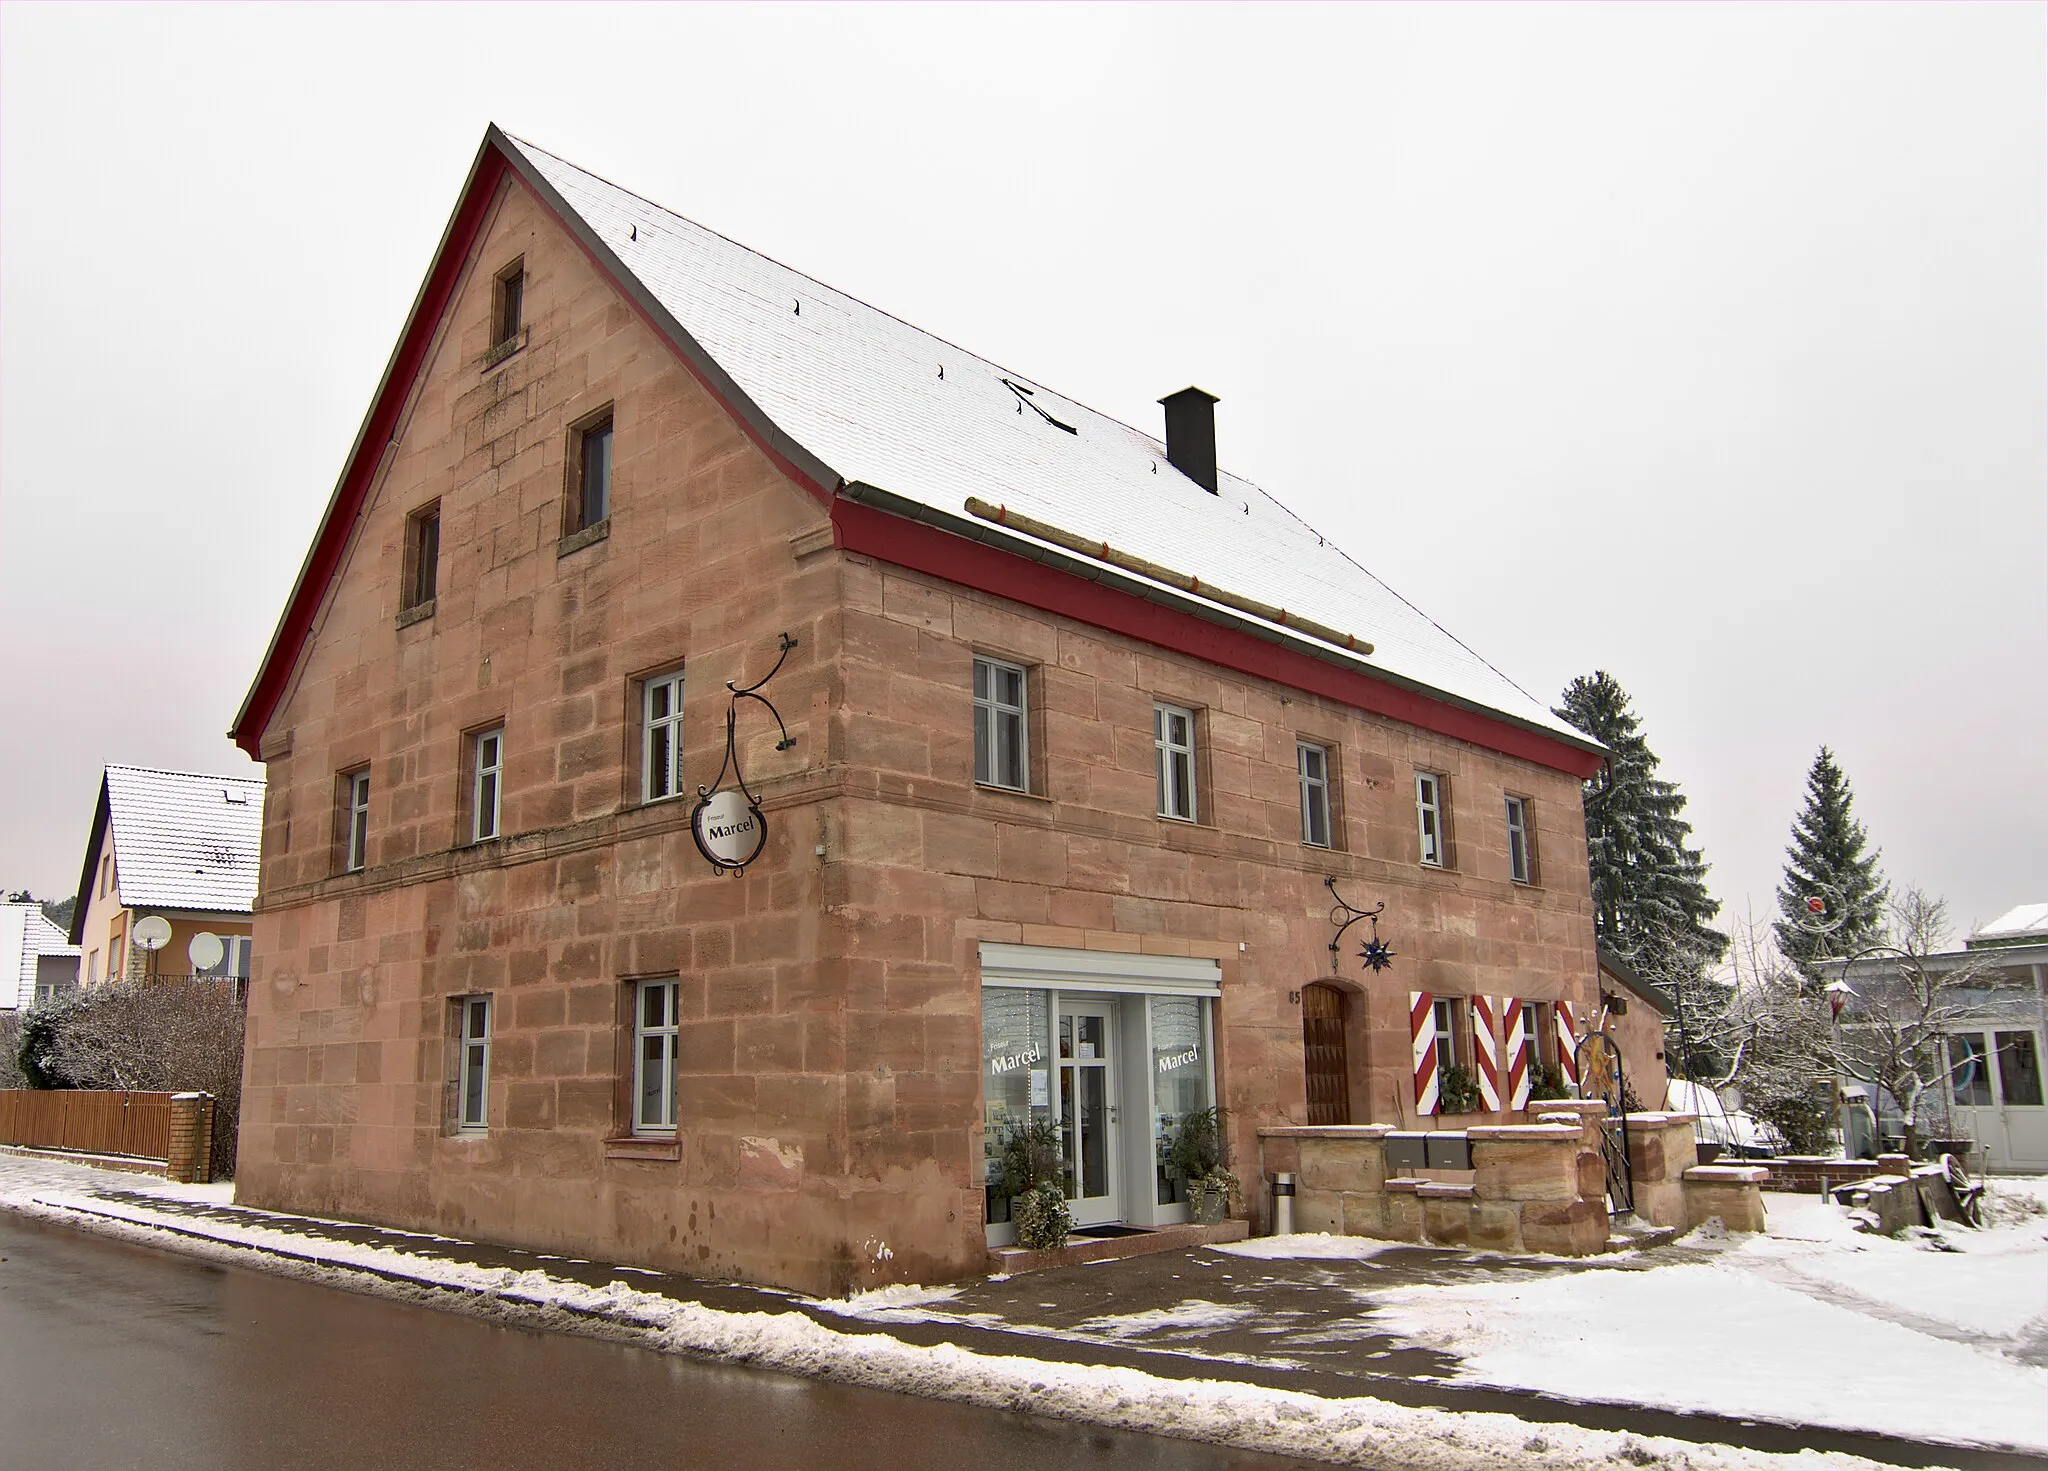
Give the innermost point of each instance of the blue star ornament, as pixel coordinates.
(1377, 954)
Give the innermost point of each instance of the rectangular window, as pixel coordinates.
(1000, 758)
(661, 741)
(1445, 1019)
(487, 764)
(1180, 1081)
(1312, 765)
(92, 968)
(355, 818)
(473, 1085)
(1969, 1071)
(117, 956)
(1016, 1041)
(654, 1057)
(106, 871)
(422, 555)
(1520, 869)
(1173, 736)
(2019, 1070)
(510, 303)
(590, 500)
(1429, 817)
(1537, 1018)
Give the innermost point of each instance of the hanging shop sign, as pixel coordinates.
(727, 823)
(1376, 953)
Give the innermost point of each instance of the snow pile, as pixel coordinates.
(1318, 1245)
(1813, 1323)
(897, 1304)
(1193, 1312)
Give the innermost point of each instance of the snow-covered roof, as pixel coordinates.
(881, 403)
(183, 840)
(2024, 922)
(26, 934)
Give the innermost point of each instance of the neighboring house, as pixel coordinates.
(37, 961)
(1077, 727)
(1994, 1094)
(176, 845)
(1634, 1013)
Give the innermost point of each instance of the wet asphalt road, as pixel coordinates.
(114, 1356)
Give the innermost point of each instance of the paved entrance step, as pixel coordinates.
(1079, 1251)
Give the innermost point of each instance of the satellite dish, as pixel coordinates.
(152, 933)
(206, 951)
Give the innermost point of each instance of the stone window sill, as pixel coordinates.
(504, 350)
(418, 613)
(1000, 791)
(650, 1148)
(576, 541)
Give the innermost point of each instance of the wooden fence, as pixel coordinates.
(88, 1121)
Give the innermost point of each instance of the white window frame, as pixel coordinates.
(487, 783)
(1429, 818)
(1171, 754)
(664, 1034)
(1519, 870)
(1000, 725)
(661, 777)
(1444, 1022)
(1315, 794)
(473, 1027)
(357, 842)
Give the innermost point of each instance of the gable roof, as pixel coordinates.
(26, 935)
(853, 402)
(182, 840)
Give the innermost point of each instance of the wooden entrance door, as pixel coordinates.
(1322, 1055)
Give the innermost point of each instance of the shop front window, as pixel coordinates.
(1180, 1080)
(1016, 1046)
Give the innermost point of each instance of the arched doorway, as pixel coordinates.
(1322, 1054)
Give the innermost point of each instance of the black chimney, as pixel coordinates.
(1191, 435)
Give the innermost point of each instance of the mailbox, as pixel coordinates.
(1447, 1151)
(1406, 1153)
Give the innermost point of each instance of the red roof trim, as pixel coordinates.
(956, 559)
(324, 560)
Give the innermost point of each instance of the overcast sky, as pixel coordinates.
(1703, 344)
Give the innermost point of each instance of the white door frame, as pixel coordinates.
(1106, 1208)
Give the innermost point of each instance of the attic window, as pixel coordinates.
(590, 473)
(422, 556)
(508, 303)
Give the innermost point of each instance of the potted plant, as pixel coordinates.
(1457, 1091)
(1197, 1156)
(1029, 1159)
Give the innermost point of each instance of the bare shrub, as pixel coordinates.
(152, 1037)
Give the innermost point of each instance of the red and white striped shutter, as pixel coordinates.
(1422, 1036)
(1486, 1052)
(1516, 1017)
(1567, 1044)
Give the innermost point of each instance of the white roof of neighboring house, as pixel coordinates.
(884, 404)
(25, 935)
(185, 841)
(2023, 920)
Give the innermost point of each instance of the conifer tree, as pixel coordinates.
(1650, 898)
(1829, 847)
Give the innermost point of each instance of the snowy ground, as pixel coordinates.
(1353, 1431)
(1813, 1322)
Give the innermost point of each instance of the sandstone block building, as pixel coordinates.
(1074, 729)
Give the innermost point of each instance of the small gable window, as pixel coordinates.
(422, 556)
(590, 474)
(508, 303)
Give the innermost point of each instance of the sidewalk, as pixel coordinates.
(1224, 1344)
